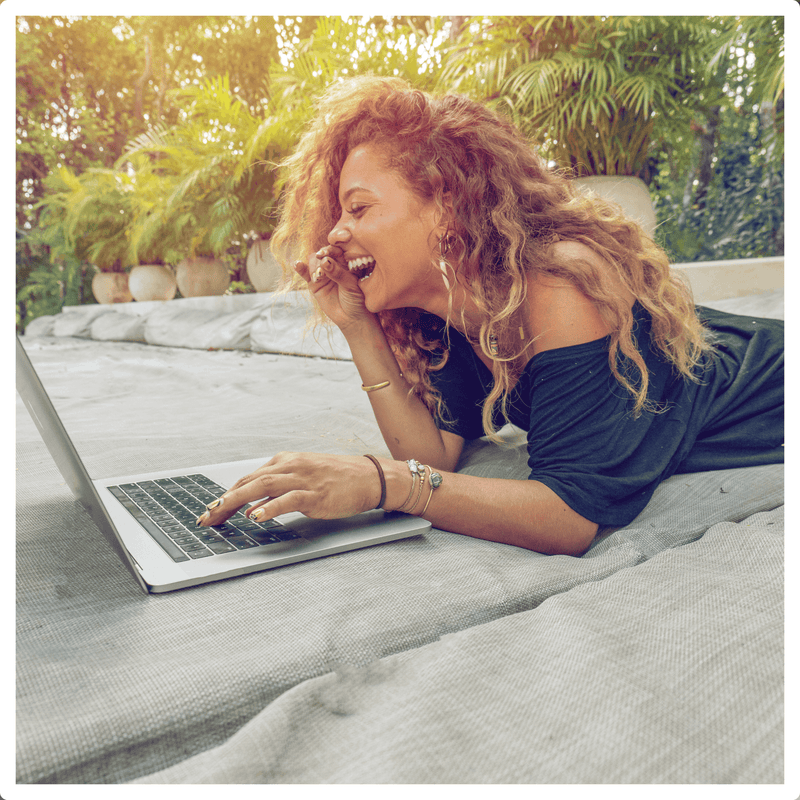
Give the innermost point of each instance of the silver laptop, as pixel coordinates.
(149, 519)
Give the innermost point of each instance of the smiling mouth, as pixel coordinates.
(362, 267)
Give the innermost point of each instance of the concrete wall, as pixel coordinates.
(277, 323)
(719, 280)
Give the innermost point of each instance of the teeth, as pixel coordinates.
(360, 262)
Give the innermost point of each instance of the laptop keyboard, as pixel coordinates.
(167, 508)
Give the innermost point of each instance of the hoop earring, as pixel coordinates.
(443, 265)
(445, 244)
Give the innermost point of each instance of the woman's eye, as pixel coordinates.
(356, 211)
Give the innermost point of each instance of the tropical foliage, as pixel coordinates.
(719, 187)
(147, 139)
(206, 182)
(44, 284)
(602, 94)
(86, 86)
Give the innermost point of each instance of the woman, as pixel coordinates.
(474, 287)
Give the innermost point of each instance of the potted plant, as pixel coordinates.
(217, 187)
(151, 278)
(597, 93)
(87, 217)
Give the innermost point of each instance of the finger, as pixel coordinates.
(331, 251)
(295, 500)
(258, 511)
(245, 479)
(267, 467)
(338, 273)
(302, 269)
(311, 275)
(224, 507)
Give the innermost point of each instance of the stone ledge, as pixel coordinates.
(268, 322)
(277, 322)
(720, 280)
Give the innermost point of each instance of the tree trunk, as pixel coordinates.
(456, 25)
(142, 82)
(705, 169)
(162, 90)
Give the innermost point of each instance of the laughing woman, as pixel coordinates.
(476, 287)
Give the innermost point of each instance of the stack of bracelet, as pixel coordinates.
(418, 472)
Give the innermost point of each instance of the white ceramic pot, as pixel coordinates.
(626, 191)
(202, 277)
(263, 271)
(111, 287)
(152, 282)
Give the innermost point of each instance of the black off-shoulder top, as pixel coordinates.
(583, 440)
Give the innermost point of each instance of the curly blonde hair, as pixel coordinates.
(508, 209)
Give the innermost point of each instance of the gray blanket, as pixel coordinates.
(657, 657)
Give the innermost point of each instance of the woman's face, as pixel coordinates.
(388, 234)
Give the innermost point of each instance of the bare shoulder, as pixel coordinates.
(560, 314)
(572, 251)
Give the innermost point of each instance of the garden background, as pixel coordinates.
(154, 139)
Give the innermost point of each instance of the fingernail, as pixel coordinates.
(317, 275)
(215, 503)
(257, 513)
(201, 519)
(320, 252)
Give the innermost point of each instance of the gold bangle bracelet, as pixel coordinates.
(435, 480)
(375, 387)
(414, 467)
(419, 491)
(410, 494)
(427, 503)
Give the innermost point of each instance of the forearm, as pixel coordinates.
(522, 513)
(404, 421)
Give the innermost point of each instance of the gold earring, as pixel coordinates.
(443, 265)
(493, 348)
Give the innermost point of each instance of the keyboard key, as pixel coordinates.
(182, 534)
(247, 526)
(262, 537)
(286, 534)
(168, 509)
(210, 537)
(188, 548)
(240, 543)
(200, 554)
(221, 547)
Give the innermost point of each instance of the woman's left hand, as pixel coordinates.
(318, 485)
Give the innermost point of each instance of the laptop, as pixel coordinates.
(149, 519)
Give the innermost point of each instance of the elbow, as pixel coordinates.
(561, 531)
(571, 539)
(577, 541)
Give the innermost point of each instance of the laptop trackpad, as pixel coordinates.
(357, 527)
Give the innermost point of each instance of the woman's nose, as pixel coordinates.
(338, 235)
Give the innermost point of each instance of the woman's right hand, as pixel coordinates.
(334, 287)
